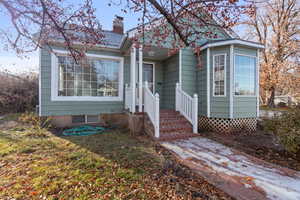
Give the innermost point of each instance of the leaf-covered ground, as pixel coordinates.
(112, 165)
(259, 144)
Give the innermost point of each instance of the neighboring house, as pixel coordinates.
(226, 84)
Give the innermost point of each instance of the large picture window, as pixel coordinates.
(219, 73)
(244, 75)
(95, 78)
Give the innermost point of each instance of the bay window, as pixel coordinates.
(94, 78)
(244, 75)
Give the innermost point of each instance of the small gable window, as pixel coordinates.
(244, 75)
(219, 74)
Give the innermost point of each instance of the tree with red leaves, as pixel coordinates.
(187, 21)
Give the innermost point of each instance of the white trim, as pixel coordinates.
(133, 77)
(257, 83)
(255, 87)
(40, 82)
(229, 42)
(208, 81)
(225, 71)
(140, 64)
(54, 80)
(180, 66)
(231, 81)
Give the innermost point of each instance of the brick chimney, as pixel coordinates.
(118, 26)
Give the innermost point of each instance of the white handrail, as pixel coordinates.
(151, 107)
(128, 98)
(187, 106)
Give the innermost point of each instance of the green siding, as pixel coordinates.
(188, 71)
(219, 106)
(170, 78)
(51, 108)
(202, 84)
(244, 107)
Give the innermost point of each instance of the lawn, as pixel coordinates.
(36, 164)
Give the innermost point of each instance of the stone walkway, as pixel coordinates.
(240, 175)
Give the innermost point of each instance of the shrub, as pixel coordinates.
(18, 93)
(287, 128)
(39, 125)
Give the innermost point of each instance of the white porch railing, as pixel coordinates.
(187, 106)
(128, 98)
(151, 107)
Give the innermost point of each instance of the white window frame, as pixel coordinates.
(54, 79)
(255, 74)
(225, 75)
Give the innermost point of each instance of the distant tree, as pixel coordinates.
(63, 19)
(276, 24)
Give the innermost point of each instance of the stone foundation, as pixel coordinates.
(221, 125)
(61, 121)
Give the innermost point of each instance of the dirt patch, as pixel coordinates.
(259, 144)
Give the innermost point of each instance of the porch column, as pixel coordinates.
(132, 77)
(140, 79)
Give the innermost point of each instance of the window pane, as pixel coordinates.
(244, 75)
(92, 118)
(92, 77)
(78, 119)
(219, 75)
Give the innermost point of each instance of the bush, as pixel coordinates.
(39, 125)
(287, 128)
(18, 93)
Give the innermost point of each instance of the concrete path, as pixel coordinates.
(240, 175)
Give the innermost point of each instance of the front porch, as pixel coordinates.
(154, 89)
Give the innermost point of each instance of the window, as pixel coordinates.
(92, 118)
(244, 75)
(80, 119)
(95, 78)
(219, 73)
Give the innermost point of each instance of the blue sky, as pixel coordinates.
(105, 14)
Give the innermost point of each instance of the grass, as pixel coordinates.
(111, 165)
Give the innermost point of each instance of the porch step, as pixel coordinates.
(173, 126)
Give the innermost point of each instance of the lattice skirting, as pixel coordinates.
(222, 125)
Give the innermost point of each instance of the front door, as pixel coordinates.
(148, 75)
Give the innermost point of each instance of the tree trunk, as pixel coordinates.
(271, 103)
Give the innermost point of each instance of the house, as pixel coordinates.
(177, 96)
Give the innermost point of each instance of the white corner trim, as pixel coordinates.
(54, 80)
(180, 66)
(208, 81)
(257, 83)
(229, 42)
(231, 67)
(40, 81)
(225, 71)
